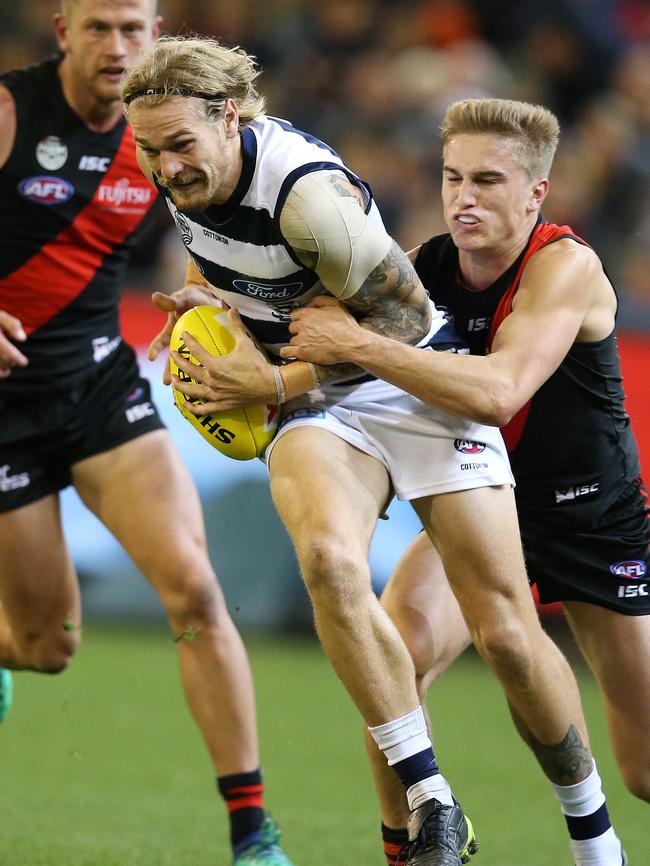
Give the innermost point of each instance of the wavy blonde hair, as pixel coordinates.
(534, 128)
(178, 65)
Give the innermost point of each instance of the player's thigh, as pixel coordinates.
(144, 494)
(38, 582)
(323, 487)
(617, 648)
(420, 602)
(477, 534)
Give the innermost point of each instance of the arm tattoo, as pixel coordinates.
(345, 187)
(392, 301)
(566, 763)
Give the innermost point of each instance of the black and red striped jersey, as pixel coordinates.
(572, 442)
(71, 200)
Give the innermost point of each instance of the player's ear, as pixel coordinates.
(231, 117)
(60, 30)
(538, 194)
(157, 26)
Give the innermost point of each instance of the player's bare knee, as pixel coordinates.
(333, 575)
(418, 639)
(49, 654)
(508, 652)
(198, 603)
(637, 779)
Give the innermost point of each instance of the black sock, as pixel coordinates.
(244, 796)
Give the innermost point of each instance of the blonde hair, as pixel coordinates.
(534, 128)
(68, 5)
(178, 65)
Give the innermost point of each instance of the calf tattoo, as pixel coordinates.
(566, 763)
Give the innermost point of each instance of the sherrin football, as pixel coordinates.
(240, 433)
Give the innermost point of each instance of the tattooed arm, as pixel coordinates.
(324, 220)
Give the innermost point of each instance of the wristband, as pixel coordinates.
(314, 374)
(279, 384)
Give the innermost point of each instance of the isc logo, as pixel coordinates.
(632, 590)
(94, 163)
(482, 323)
(137, 413)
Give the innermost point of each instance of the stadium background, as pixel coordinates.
(372, 78)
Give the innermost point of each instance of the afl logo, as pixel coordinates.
(634, 568)
(51, 153)
(466, 446)
(184, 226)
(46, 189)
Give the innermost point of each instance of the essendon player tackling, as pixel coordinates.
(75, 410)
(533, 300)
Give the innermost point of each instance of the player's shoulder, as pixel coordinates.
(566, 254)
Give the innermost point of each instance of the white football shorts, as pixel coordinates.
(425, 450)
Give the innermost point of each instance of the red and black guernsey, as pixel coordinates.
(70, 202)
(572, 443)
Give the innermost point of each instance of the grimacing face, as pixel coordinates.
(198, 160)
(103, 38)
(489, 199)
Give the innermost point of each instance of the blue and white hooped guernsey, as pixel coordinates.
(239, 248)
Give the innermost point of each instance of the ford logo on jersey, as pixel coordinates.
(46, 189)
(267, 292)
(634, 568)
(466, 446)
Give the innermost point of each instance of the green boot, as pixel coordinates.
(6, 693)
(266, 852)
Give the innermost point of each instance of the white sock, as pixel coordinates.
(604, 850)
(582, 799)
(580, 802)
(435, 787)
(402, 738)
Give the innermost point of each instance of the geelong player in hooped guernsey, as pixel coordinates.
(240, 246)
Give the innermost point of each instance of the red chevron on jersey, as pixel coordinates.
(63, 268)
(545, 233)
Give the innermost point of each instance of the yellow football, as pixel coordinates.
(241, 433)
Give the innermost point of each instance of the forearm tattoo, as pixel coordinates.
(336, 372)
(566, 763)
(392, 301)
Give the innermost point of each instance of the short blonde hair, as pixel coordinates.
(68, 5)
(535, 129)
(178, 65)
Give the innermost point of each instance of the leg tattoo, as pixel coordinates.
(566, 763)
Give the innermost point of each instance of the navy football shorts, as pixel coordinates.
(605, 564)
(42, 439)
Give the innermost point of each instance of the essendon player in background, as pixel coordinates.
(74, 408)
(538, 311)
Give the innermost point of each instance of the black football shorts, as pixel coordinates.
(43, 438)
(605, 564)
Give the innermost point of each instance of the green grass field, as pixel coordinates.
(102, 766)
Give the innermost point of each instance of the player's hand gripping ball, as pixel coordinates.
(240, 433)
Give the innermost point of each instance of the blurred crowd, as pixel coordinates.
(374, 77)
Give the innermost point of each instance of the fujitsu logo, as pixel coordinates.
(121, 195)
